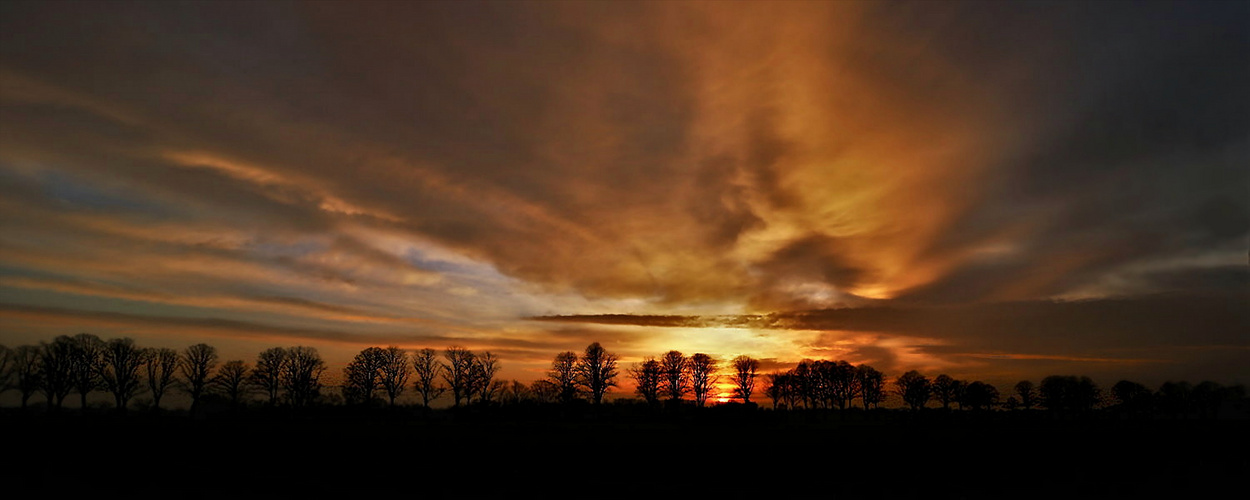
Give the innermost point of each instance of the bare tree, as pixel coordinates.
(394, 372)
(979, 395)
(516, 393)
(197, 365)
(232, 379)
(945, 389)
(1069, 392)
(482, 377)
(160, 364)
(914, 388)
(427, 368)
(842, 382)
(267, 376)
(745, 368)
(596, 371)
(27, 373)
(871, 386)
(121, 360)
(564, 375)
(88, 350)
(676, 381)
(802, 384)
(458, 372)
(496, 389)
(57, 366)
(6, 368)
(301, 378)
(1028, 396)
(647, 376)
(545, 391)
(362, 375)
(1132, 397)
(775, 389)
(703, 376)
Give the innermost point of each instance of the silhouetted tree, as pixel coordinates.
(493, 391)
(979, 396)
(676, 381)
(945, 390)
(88, 350)
(596, 371)
(196, 366)
(647, 376)
(745, 368)
(267, 376)
(804, 385)
(842, 382)
(6, 368)
(775, 388)
(1208, 397)
(120, 363)
(1174, 398)
(784, 389)
(516, 393)
(427, 369)
(1131, 397)
(482, 376)
(361, 376)
(1028, 396)
(395, 371)
(545, 391)
(232, 379)
(57, 365)
(301, 375)
(564, 375)
(871, 386)
(458, 372)
(160, 364)
(914, 388)
(27, 373)
(1060, 393)
(703, 376)
(1087, 395)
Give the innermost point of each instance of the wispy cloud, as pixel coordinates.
(902, 183)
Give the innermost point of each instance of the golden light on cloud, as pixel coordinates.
(887, 183)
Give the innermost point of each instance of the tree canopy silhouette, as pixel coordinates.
(121, 360)
(394, 372)
(745, 368)
(27, 373)
(427, 369)
(87, 357)
(197, 365)
(458, 372)
(914, 389)
(703, 376)
(361, 376)
(563, 374)
(301, 375)
(596, 371)
(160, 364)
(647, 377)
(676, 381)
(232, 380)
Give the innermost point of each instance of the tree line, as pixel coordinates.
(378, 376)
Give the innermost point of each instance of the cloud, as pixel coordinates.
(919, 172)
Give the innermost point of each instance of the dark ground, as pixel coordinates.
(890, 454)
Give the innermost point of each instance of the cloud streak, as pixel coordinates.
(913, 183)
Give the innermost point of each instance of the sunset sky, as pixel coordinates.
(994, 190)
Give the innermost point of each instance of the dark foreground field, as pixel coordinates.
(556, 455)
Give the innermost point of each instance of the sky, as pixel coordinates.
(993, 190)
